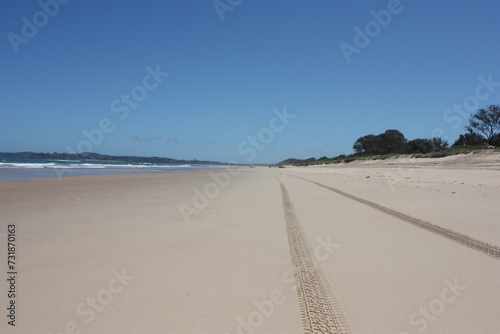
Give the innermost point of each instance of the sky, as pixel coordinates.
(238, 80)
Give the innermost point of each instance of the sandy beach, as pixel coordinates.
(257, 250)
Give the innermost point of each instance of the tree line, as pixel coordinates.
(483, 129)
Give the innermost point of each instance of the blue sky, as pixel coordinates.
(226, 76)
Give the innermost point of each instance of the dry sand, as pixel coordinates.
(114, 254)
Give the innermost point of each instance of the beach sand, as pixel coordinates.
(259, 252)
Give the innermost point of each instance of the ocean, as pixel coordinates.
(16, 168)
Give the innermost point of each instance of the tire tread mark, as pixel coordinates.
(465, 240)
(319, 311)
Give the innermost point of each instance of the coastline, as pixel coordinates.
(59, 173)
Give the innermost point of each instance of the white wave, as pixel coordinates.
(117, 166)
(73, 166)
(89, 166)
(25, 165)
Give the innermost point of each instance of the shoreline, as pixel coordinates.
(38, 173)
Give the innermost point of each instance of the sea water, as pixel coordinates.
(17, 168)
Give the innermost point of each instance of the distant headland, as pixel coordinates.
(89, 156)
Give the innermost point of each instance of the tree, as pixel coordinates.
(369, 144)
(391, 141)
(470, 139)
(420, 146)
(486, 122)
(439, 144)
(362, 143)
(358, 145)
(495, 140)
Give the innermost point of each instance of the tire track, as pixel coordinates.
(465, 240)
(319, 310)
